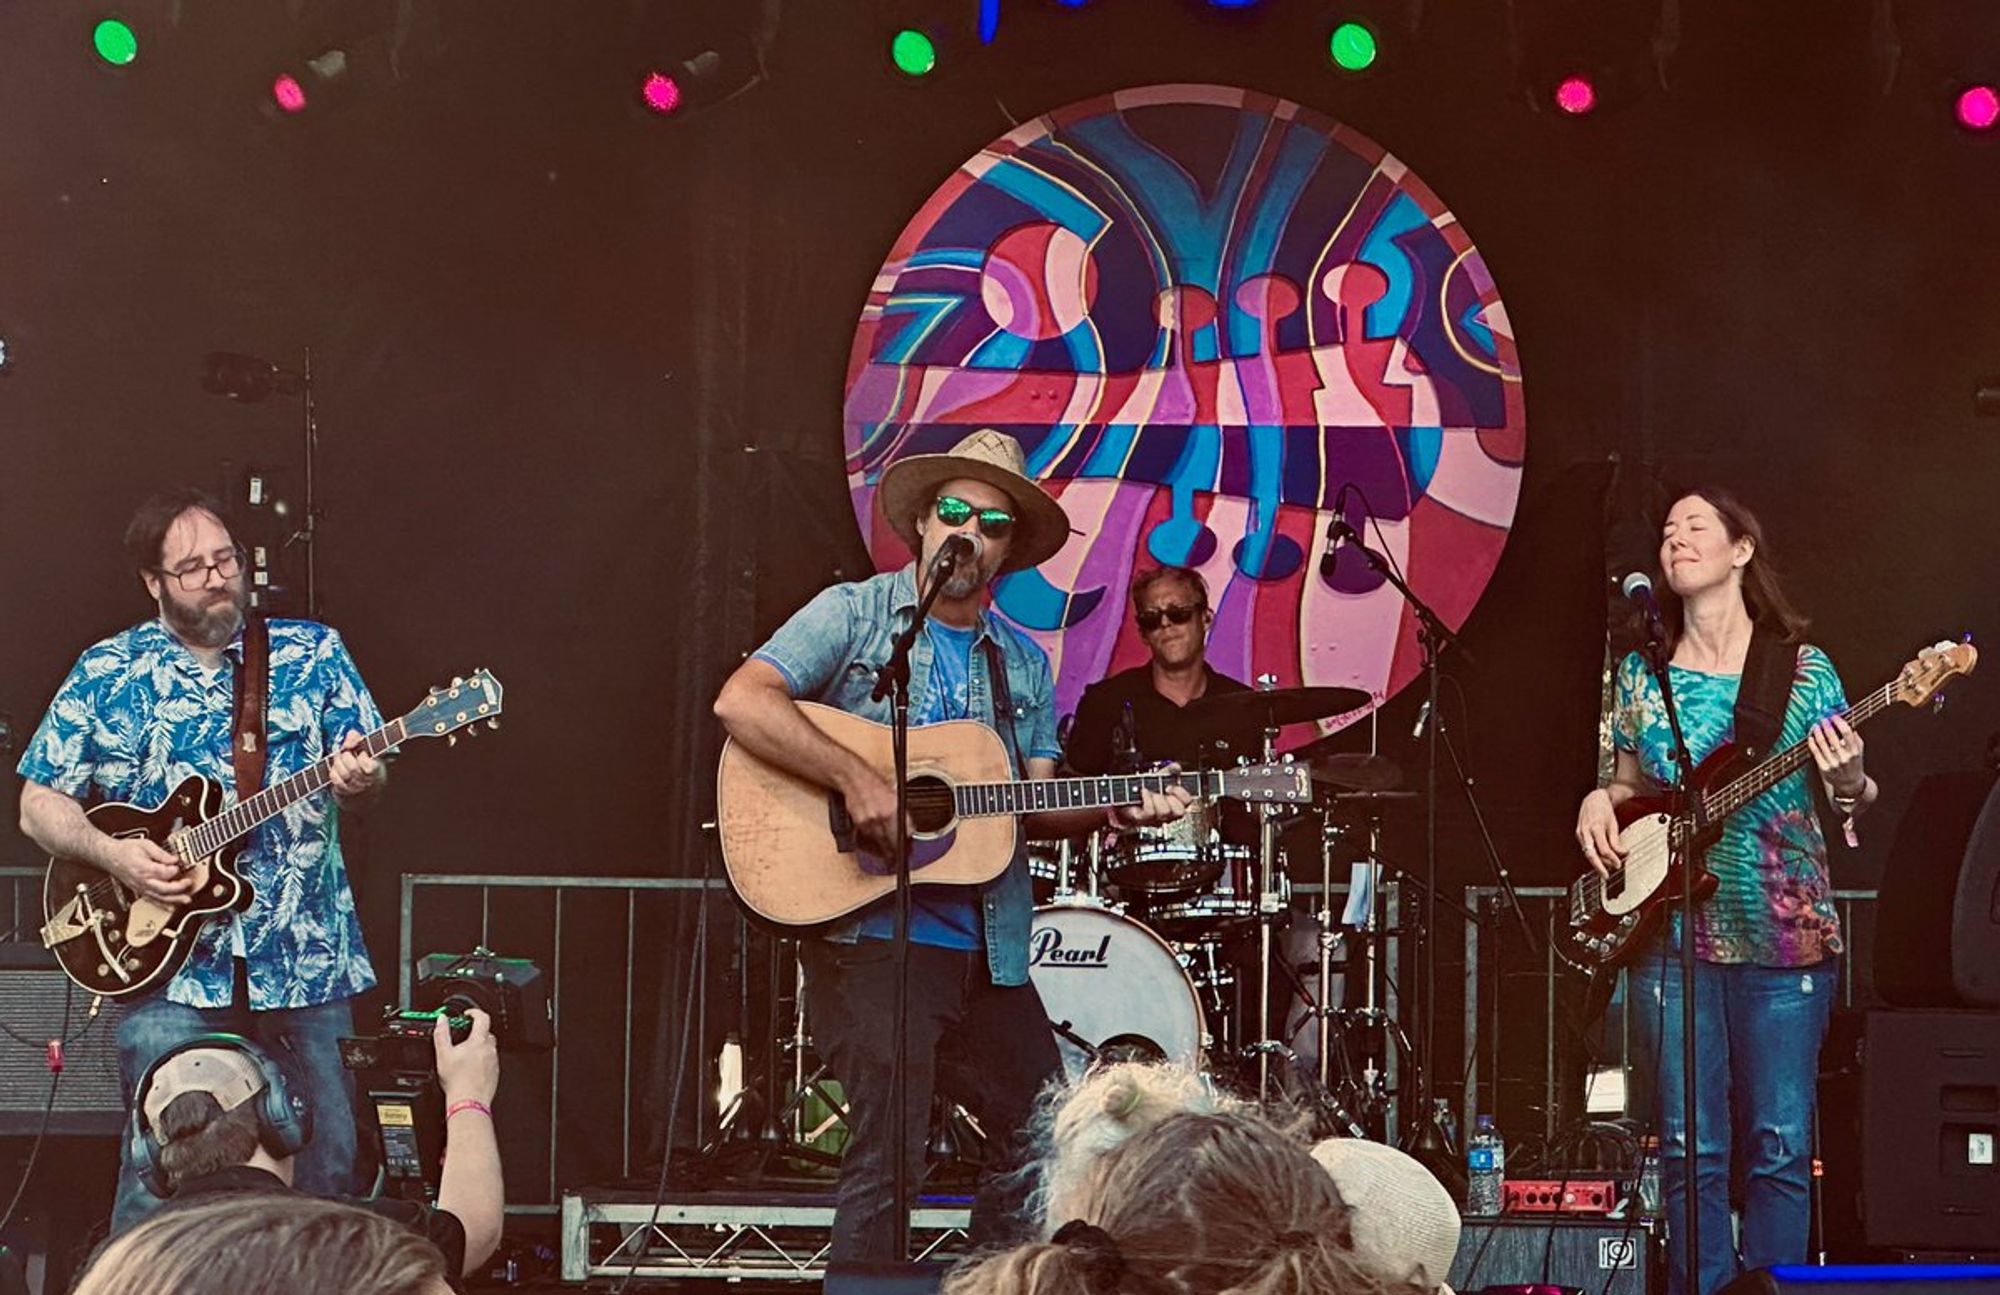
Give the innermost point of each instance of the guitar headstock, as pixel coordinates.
(1919, 680)
(1268, 783)
(466, 704)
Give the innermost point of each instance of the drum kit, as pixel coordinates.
(1182, 943)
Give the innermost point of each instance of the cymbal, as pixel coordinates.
(1356, 772)
(1361, 805)
(1278, 706)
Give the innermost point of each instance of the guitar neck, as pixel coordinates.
(1037, 795)
(244, 817)
(1738, 792)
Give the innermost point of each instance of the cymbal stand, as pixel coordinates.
(1270, 902)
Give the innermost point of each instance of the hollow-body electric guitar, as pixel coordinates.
(1612, 917)
(114, 941)
(793, 857)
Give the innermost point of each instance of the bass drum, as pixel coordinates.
(1113, 989)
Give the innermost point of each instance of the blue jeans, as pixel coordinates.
(1758, 1032)
(305, 1039)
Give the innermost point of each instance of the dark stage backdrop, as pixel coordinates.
(581, 374)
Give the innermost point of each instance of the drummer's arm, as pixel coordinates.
(1154, 807)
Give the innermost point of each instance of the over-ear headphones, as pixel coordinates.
(284, 1118)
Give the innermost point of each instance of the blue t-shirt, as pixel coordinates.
(1773, 901)
(945, 917)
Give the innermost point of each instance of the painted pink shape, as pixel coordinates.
(1039, 281)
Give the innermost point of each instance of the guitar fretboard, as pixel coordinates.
(1734, 795)
(985, 799)
(244, 817)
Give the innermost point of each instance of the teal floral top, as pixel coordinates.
(1773, 903)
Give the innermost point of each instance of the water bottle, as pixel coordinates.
(1650, 1201)
(1486, 1163)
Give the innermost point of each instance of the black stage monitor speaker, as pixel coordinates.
(1600, 1256)
(1937, 925)
(1910, 1116)
(38, 1003)
(1869, 1279)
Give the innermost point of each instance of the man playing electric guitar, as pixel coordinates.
(147, 707)
(975, 1021)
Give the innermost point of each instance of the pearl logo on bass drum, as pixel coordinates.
(1046, 950)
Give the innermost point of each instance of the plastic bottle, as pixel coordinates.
(1650, 1202)
(1486, 1165)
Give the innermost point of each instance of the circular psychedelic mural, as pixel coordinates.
(1215, 320)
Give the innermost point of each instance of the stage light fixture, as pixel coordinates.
(115, 42)
(913, 53)
(1576, 94)
(1978, 107)
(660, 93)
(1353, 47)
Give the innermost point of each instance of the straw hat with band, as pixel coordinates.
(910, 486)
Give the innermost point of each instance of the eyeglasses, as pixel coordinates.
(994, 523)
(1150, 618)
(191, 578)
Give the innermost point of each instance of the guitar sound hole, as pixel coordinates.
(931, 807)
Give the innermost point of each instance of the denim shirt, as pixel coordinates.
(828, 652)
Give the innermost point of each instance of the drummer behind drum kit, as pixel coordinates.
(1176, 943)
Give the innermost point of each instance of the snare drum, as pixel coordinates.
(1170, 859)
(1116, 986)
(1232, 898)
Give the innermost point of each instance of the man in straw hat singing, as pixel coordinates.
(976, 1024)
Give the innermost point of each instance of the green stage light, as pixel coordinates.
(1352, 47)
(115, 42)
(913, 53)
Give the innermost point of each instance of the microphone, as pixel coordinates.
(1638, 587)
(1337, 534)
(956, 549)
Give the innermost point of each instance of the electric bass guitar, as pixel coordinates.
(793, 857)
(1612, 917)
(114, 941)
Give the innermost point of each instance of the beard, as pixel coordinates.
(204, 620)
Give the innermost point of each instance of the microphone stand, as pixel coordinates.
(1682, 795)
(892, 680)
(1435, 638)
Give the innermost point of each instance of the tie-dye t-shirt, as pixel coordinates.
(1773, 902)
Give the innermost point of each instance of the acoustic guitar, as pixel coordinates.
(794, 860)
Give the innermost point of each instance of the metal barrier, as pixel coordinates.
(1545, 907)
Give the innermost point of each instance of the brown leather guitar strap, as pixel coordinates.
(247, 741)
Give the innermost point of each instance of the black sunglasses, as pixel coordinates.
(1173, 614)
(993, 522)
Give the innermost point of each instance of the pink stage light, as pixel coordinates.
(661, 93)
(1575, 95)
(289, 94)
(1979, 108)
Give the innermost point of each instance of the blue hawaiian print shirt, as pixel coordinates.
(139, 713)
(828, 651)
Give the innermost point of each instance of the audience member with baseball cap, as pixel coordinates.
(220, 1115)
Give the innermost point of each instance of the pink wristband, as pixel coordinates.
(468, 1105)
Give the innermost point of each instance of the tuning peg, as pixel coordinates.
(493, 723)
(458, 681)
(451, 740)
(1937, 703)
(435, 690)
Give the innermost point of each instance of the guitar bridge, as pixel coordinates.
(840, 822)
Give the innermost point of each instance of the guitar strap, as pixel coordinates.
(246, 742)
(1769, 669)
(1003, 704)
